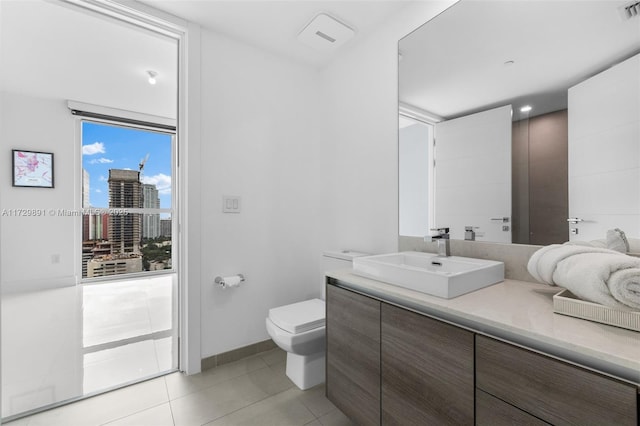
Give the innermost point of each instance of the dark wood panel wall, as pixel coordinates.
(540, 197)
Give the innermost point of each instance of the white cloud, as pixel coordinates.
(94, 148)
(102, 178)
(161, 181)
(101, 160)
(99, 191)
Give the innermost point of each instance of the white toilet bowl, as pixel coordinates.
(299, 330)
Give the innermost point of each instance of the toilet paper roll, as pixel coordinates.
(230, 282)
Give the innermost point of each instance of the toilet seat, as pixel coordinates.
(299, 317)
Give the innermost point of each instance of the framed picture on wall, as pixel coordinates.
(32, 169)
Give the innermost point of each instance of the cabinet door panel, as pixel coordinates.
(555, 391)
(353, 355)
(427, 370)
(492, 411)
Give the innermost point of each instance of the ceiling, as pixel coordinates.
(452, 65)
(63, 52)
(51, 49)
(456, 64)
(274, 25)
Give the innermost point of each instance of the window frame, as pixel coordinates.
(173, 211)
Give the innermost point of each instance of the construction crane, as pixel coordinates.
(141, 167)
(142, 162)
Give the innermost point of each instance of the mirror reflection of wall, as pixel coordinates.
(604, 152)
(473, 175)
(452, 73)
(415, 158)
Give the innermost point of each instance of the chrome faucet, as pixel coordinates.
(444, 247)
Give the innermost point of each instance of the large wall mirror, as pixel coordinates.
(520, 122)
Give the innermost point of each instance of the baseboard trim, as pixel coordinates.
(236, 354)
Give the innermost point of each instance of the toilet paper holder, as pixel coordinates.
(220, 280)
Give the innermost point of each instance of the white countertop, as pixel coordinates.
(519, 312)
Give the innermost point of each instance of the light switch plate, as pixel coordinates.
(230, 204)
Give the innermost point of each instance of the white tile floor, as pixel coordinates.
(64, 343)
(252, 391)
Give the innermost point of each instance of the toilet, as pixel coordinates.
(299, 328)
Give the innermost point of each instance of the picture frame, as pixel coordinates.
(32, 169)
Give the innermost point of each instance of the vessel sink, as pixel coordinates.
(445, 277)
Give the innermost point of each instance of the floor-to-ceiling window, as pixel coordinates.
(127, 257)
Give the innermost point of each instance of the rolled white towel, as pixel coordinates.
(594, 274)
(543, 262)
(609, 279)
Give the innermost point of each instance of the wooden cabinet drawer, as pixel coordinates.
(552, 390)
(491, 411)
(353, 355)
(427, 370)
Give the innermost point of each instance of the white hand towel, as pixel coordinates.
(609, 279)
(543, 262)
(594, 274)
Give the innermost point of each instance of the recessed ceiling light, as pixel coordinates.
(526, 108)
(152, 77)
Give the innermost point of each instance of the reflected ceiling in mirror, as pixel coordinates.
(482, 54)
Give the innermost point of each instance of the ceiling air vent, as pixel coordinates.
(632, 10)
(325, 33)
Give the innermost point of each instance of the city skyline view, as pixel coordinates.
(125, 167)
(106, 147)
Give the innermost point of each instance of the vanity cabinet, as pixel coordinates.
(389, 365)
(353, 354)
(552, 390)
(427, 370)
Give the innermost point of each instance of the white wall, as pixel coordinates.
(604, 161)
(313, 154)
(261, 139)
(28, 243)
(314, 157)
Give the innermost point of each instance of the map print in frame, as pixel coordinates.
(32, 169)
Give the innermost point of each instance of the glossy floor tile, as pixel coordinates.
(124, 364)
(252, 391)
(65, 343)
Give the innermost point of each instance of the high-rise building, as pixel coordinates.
(150, 222)
(95, 227)
(125, 230)
(165, 227)
(85, 190)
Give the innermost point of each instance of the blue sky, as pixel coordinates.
(107, 147)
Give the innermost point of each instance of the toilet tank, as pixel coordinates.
(339, 259)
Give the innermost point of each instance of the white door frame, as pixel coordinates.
(188, 133)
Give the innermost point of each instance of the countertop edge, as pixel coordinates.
(602, 360)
